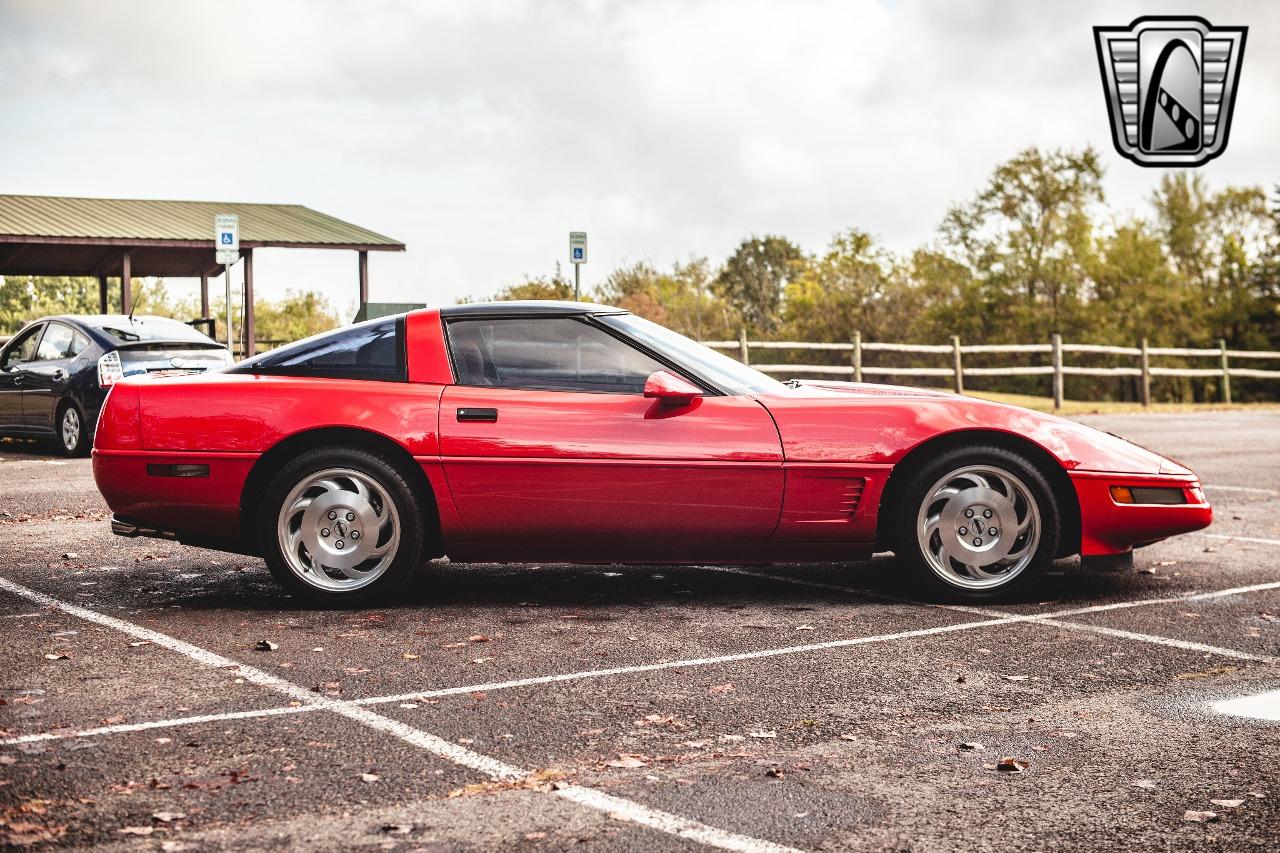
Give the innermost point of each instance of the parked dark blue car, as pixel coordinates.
(55, 373)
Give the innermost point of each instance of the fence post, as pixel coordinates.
(1057, 372)
(857, 356)
(955, 364)
(1146, 375)
(742, 347)
(1226, 373)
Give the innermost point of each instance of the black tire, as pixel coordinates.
(405, 558)
(948, 583)
(84, 434)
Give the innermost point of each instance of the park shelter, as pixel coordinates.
(121, 238)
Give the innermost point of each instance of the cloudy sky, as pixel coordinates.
(480, 133)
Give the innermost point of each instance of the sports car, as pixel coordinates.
(560, 431)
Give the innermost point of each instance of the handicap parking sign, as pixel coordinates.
(577, 254)
(227, 237)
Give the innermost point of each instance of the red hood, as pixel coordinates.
(859, 422)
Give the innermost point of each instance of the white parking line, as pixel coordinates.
(1228, 536)
(490, 687)
(1052, 618)
(491, 767)
(1245, 489)
(1262, 706)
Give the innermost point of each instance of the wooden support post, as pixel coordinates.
(126, 283)
(1146, 375)
(364, 279)
(250, 344)
(1057, 372)
(857, 356)
(956, 368)
(743, 356)
(204, 296)
(102, 294)
(1226, 372)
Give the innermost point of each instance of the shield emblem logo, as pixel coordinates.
(1170, 84)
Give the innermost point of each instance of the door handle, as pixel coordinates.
(478, 415)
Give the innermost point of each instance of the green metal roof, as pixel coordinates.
(51, 219)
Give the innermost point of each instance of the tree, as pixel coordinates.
(681, 299)
(25, 298)
(853, 287)
(1029, 231)
(755, 277)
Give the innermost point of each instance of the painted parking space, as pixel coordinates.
(638, 707)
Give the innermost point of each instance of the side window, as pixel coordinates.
(56, 343)
(367, 351)
(24, 349)
(557, 354)
(78, 345)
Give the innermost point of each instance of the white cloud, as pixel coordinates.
(480, 133)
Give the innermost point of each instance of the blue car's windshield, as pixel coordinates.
(719, 370)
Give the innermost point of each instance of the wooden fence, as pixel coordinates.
(1055, 349)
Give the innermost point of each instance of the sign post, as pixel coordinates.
(577, 257)
(226, 243)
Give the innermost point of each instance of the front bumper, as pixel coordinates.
(1108, 527)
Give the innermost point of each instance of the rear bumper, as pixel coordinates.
(1107, 527)
(206, 507)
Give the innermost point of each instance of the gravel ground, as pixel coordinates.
(639, 707)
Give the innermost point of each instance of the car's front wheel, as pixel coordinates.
(341, 526)
(977, 523)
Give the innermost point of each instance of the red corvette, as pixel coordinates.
(571, 432)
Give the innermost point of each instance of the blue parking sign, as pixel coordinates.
(577, 254)
(226, 238)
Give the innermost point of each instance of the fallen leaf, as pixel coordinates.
(775, 773)
(410, 656)
(1200, 817)
(265, 646)
(805, 628)
(971, 746)
(169, 817)
(112, 721)
(1228, 804)
(762, 734)
(57, 656)
(625, 760)
(137, 830)
(140, 643)
(454, 646)
(369, 777)
(1016, 677)
(721, 689)
(481, 660)
(477, 638)
(1145, 784)
(1011, 765)
(70, 555)
(534, 836)
(397, 828)
(848, 737)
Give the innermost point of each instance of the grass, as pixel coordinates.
(1084, 407)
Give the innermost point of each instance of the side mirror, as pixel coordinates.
(671, 390)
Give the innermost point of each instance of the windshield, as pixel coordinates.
(720, 370)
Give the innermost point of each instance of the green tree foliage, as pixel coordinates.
(1029, 232)
(853, 287)
(755, 277)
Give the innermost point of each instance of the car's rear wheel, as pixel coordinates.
(977, 523)
(341, 526)
(73, 432)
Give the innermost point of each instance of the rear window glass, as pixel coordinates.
(125, 331)
(373, 350)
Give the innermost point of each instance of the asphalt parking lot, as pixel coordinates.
(640, 707)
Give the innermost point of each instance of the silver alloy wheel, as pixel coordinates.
(338, 530)
(979, 527)
(70, 428)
